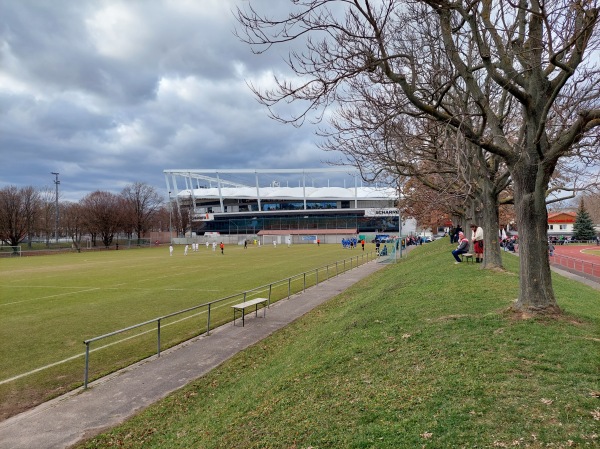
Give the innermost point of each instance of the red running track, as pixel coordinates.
(574, 258)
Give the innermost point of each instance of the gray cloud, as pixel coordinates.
(110, 93)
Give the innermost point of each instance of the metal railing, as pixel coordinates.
(571, 263)
(328, 271)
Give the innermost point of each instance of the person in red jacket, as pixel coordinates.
(477, 239)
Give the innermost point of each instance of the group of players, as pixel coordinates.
(353, 243)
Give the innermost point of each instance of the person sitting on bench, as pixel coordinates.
(462, 248)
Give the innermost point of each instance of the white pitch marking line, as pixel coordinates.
(49, 297)
(5, 381)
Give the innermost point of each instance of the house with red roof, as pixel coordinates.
(561, 223)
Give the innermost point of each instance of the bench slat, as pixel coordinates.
(252, 302)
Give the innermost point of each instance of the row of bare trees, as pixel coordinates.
(28, 213)
(481, 102)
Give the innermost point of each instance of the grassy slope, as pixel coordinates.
(423, 354)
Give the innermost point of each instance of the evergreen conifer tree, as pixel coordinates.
(583, 228)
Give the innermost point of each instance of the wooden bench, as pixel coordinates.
(466, 257)
(241, 307)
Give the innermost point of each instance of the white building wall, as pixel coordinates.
(560, 229)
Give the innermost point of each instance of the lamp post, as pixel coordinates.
(56, 182)
(170, 220)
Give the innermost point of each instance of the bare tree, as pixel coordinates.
(533, 51)
(18, 207)
(102, 211)
(141, 203)
(161, 219)
(74, 223)
(47, 215)
(592, 202)
(455, 175)
(31, 209)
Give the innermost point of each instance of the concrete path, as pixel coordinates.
(109, 401)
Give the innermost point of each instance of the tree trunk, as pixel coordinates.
(490, 223)
(536, 293)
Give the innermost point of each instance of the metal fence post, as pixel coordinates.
(158, 338)
(208, 321)
(87, 364)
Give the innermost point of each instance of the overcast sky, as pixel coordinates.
(112, 92)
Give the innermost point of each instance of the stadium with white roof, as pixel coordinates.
(282, 201)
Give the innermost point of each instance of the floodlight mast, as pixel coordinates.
(170, 219)
(56, 182)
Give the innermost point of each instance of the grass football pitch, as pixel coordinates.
(51, 304)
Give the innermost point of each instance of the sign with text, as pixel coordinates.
(388, 212)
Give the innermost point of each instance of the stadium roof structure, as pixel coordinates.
(247, 201)
(220, 186)
(308, 232)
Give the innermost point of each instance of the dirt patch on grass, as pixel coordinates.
(16, 402)
(551, 314)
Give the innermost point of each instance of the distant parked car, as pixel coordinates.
(382, 240)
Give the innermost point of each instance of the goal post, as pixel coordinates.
(138, 242)
(10, 251)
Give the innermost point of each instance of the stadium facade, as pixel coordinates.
(284, 201)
